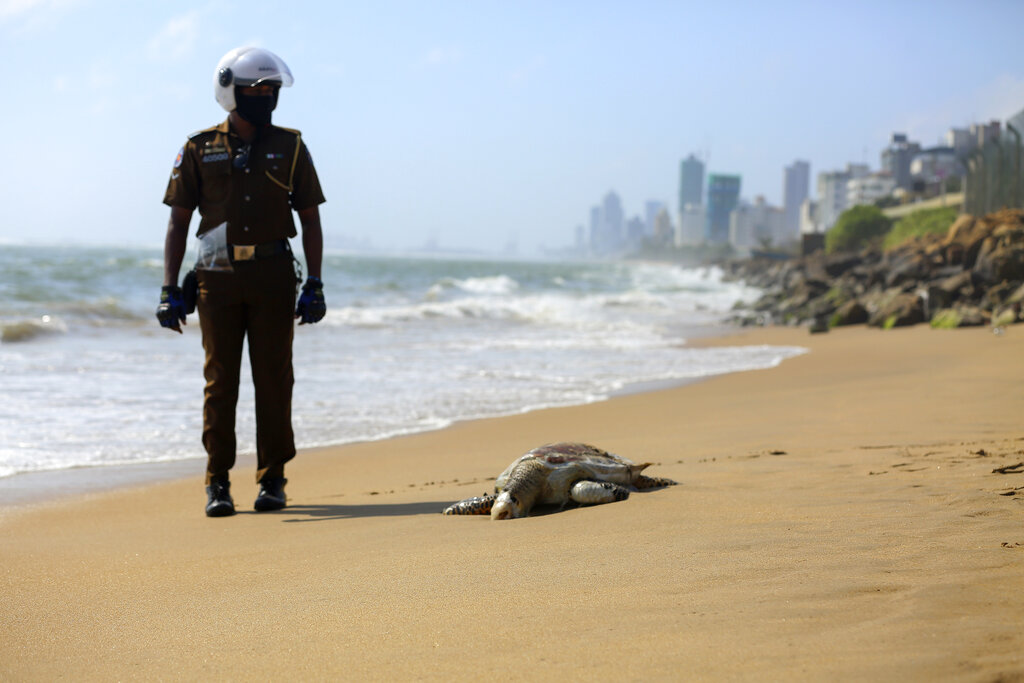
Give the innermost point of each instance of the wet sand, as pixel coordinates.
(839, 517)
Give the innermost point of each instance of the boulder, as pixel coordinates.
(1006, 316)
(961, 229)
(945, 292)
(899, 310)
(964, 240)
(837, 264)
(999, 295)
(850, 313)
(819, 325)
(1017, 296)
(999, 262)
(911, 267)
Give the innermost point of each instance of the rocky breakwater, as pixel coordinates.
(972, 275)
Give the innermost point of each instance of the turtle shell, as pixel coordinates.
(568, 462)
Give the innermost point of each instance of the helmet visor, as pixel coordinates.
(261, 66)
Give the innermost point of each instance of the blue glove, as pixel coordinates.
(171, 309)
(311, 307)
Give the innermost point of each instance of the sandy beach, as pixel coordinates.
(840, 517)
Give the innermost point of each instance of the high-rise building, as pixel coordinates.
(896, 159)
(984, 133)
(961, 142)
(758, 225)
(596, 230)
(869, 188)
(796, 186)
(607, 225)
(691, 182)
(614, 220)
(723, 196)
(832, 193)
(809, 217)
(692, 225)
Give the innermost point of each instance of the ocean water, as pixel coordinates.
(89, 379)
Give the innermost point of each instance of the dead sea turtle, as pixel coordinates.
(555, 474)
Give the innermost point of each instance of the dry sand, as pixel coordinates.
(838, 518)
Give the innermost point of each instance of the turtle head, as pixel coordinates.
(507, 506)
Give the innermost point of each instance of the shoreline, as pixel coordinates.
(32, 488)
(855, 513)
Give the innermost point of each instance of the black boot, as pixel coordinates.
(271, 495)
(218, 498)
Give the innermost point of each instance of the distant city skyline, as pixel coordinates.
(731, 217)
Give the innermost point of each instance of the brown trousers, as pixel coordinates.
(255, 302)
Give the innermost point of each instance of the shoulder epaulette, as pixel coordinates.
(290, 130)
(211, 129)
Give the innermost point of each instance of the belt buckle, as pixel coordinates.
(244, 252)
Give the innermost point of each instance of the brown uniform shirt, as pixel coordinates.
(256, 200)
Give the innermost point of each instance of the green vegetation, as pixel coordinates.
(857, 227)
(946, 319)
(925, 222)
(837, 295)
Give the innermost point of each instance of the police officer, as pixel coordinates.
(246, 176)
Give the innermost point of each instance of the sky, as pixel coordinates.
(477, 124)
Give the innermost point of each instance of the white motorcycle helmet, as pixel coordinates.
(245, 66)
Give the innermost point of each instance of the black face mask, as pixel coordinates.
(256, 109)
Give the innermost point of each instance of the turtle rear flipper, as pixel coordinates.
(645, 482)
(480, 505)
(587, 492)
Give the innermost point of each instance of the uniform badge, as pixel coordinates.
(177, 160)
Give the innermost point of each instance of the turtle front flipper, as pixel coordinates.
(480, 505)
(587, 492)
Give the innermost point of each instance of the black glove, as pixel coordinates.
(171, 309)
(311, 307)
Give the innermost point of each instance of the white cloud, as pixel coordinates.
(177, 39)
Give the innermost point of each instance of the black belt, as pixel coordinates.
(251, 252)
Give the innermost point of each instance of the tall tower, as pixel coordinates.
(597, 238)
(723, 197)
(796, 186)
(691, 182)
(614, 220)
